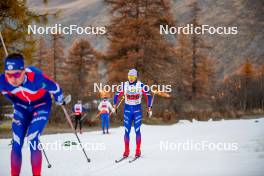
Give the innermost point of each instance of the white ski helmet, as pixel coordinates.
(132, 72)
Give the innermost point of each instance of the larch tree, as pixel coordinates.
(247, 76)
(83, 66)
(56, 56)
(41, 55)
(260, 86)
(202, 72)
(184, 64)
(135, 41)
(15, 17)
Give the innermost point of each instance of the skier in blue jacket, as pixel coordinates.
(30, 91)
(133, 90)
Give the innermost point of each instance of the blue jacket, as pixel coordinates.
(36, 88)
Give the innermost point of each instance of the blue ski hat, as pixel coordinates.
(14, 62)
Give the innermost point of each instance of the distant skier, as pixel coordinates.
(30, 92)
(133, 90)
(105, 107)
(79, 113)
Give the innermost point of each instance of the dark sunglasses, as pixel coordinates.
(14, 75)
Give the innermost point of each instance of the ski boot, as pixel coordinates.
(138, 153)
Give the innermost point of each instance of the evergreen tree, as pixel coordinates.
(83, 66)
(135, 40)
(14, 20)
(56, 56)
(202, 70)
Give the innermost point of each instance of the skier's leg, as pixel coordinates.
(19, 132)
(107, 122)
(137, 124)
(76, 122)
(37, 125)
(127, 125)
(80, 125)
(103, 122)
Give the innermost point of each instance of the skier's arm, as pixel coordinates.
(148, 98)
(118, 95)
(84, 110)
(100, 106)
(53, 88)
(110, 106)
(147, 95)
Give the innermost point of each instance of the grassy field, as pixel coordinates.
(6, 131)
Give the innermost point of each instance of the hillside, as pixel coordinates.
(228, 50)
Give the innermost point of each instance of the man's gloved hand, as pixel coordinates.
(149, 112)
(60, 100)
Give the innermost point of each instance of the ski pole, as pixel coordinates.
(3, 43)
(154, 93)
(84, 116)
(162, 94)
(44, 152)
(70, 123)
(117, 106)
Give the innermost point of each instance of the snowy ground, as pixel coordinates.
(245, 157)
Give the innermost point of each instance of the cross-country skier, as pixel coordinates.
(133, 91)
(105, 107)
(30, 91)
(78, 112)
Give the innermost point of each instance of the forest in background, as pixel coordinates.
(135, 42)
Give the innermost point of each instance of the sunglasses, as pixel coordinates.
(14, 75)
(132, 77)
